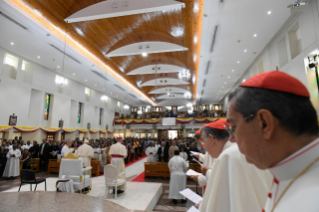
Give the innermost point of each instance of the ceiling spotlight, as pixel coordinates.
(225, 82)
(238, 61)
(95, 85)
(255, 35)
(58, 66)
(222, 86)
(167, 94)
(111, 92)
(104, 98)
(12, 43)
(39, 57)
(233, 70)
(245, 50)
(144, 54)
(228, 77)
(73, 74)
(86, 80)
(269, 12)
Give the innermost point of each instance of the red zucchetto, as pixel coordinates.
(197, 132)
(278, 81)
(219, 124)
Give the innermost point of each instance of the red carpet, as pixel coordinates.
(126, 165)
(139, 178)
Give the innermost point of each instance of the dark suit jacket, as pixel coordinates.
(45, 151)
(34, 150)
(165, 153)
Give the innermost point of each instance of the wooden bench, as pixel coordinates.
(156, 169)
(54, 166)
(35, 164)
(160, 169)
(95, 167)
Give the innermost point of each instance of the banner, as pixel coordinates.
(103, 131)
(50, 130)
(110, 131)
(153, 121)
(94, 131)
(184, 120)
(83, 130)
(5, 128)
(26, 129)
(69, 130)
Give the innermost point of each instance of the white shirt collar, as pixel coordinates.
(295, 163)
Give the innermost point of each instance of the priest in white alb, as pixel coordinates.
(277, 129)
(233, 185)
(177, 167)
(85, 152)
(118, 152)
(151, 153)
(13, 162)
(67, 148)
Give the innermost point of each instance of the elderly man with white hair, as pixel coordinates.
(85, 152)
(67, 148)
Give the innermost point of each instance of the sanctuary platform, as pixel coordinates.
(137, 196)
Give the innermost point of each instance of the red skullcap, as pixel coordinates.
(219, 124)
(278, 81)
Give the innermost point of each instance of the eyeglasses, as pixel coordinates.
(231, 131)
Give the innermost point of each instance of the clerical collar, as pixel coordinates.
(295, 163)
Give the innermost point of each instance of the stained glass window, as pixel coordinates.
(47, 107)
(100, 119)
(79, 112)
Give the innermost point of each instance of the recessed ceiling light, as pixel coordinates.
(73, 74)
(269, 12)
(103, 89)
(95, 85)
(111, 92)
(245, 50)
(86, 80)
(238, 61)
(222, 86)
(39, 57)
(233, 70)
(228, 77)
(144, 54)
(12, 43)
(225, 82)
(58, 66)
(255, 35)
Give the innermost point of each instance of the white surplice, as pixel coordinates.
(97, 152)
(303, 194)
(208, 161)
(177, 167)
(119, 149)
(85, 152)
(66, 150)
(26, 147)
(13, 164)
(234, 185)
(151, 157)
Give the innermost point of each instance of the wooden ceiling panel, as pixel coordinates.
(105, 35)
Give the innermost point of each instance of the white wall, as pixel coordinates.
(25, 96)
(308, 22)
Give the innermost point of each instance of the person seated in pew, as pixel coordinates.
(177, 167)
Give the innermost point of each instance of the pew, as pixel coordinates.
(54, 165)
(35, 164)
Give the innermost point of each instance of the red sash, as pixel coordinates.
(117, 156)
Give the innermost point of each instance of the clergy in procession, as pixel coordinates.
(27, 146)
(199, 156)
(67, 148)
(177, 167)
(118, 153)
(207, 162)
(13, 162)
(151, 153)
(172, 149)
(276, 127)
(85, 152)
(233, 185)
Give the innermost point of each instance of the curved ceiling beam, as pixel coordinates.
(171, 96)
(151, 69)
(149, 47)
(170, 89)
(164, 82)
(109, 9)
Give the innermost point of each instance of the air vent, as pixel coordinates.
(100, 75)
(207, 67)
(202, 92)
(12, 20)
(65, 54)
(214, 38)
(204, 83)
(119, 87)
(132, 95)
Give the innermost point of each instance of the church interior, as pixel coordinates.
(105, 103)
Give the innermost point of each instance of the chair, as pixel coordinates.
(28, 177)
(112, 178)
(73, 166)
